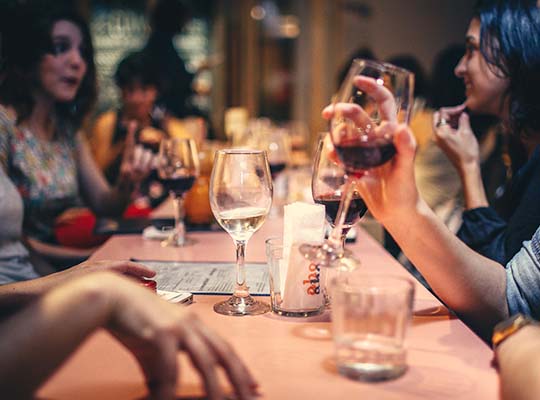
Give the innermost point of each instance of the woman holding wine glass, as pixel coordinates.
(178, 167)
(240, 198)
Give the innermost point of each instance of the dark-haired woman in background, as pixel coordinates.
(500, 70)
(47, 89)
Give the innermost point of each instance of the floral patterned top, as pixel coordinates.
(44, 172)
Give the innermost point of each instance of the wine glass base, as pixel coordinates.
(239, 306)
(173, 242)
(324, 254)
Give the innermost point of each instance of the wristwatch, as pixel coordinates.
(509, 326)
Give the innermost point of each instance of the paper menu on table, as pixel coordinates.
(207, 277)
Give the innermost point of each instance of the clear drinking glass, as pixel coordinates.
(240, 198)
(372, 100)
(178, 167)
(370, 318)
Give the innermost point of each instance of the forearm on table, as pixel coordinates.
(518, 358)
(58, 253)
(34, 342)
(467, 282)
(100, 196)
(16, 295)
(473, 186)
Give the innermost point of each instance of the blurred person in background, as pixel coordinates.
(48, 87)
(138, 84)
(501, 77)
(175, 84)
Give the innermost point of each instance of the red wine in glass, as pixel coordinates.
(359, 156)
(331, 202)
(179, 185)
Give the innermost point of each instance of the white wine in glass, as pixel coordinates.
(240, 198)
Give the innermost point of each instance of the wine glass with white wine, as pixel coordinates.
(240, 198)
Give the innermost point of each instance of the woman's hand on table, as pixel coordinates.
(124, 267)
(154, 331)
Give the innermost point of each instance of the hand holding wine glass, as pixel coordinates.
(178, 167)
(240, 198)
(372, 100)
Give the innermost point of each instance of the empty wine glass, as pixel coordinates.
(371, 101)
(328, 184)
(178, 167)
(240, 198)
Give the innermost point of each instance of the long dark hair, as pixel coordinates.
(510, 43)
(25, 40)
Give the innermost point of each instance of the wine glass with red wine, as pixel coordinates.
(278, 148)
(178, 167)
(372, 100)
(328, 184)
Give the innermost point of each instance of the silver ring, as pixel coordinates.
(441, 122)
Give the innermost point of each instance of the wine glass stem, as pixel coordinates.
(343, 240)
(179, 227)
(336, 236)
(241, 290)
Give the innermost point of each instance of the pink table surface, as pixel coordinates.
(291, 358)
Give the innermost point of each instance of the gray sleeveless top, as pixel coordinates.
(14, 261)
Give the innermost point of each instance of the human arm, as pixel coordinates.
(456, 138)
(57, 254)
(100, 196)
(518, 360)
(102, 146)
(16, 295)
(467, 282)
(470, 284)
(152, 329)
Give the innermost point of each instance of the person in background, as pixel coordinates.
(138, 86)
(167, 19)
(47, 89)
(152, 329)
(17, 264)
(448, 88)
(501, 76)
(480, 290)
